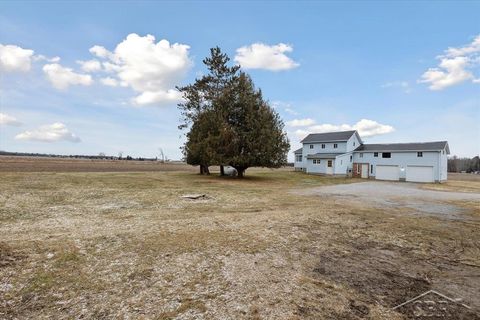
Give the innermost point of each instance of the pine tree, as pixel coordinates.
(197, 106)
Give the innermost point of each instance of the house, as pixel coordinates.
(344, 153)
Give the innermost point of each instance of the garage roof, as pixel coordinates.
(415, 146)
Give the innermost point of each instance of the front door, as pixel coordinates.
(364, 170)
(329, 166)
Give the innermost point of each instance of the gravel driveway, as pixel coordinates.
(398, 194)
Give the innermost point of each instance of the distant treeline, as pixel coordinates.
(74, 156)
(464, 164)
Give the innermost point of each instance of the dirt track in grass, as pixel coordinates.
(113, 245)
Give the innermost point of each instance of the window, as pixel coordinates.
(350, 158)
(341, 161)
(371, 168)
(299, 158)
(335, 146)
(419, 154)
(329, 163)
(375, 154)
(311, 146)
(354, 143)
(361, 155)
(316, 161)
(386, 155)
(323, 145)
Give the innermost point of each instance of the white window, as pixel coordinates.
(386, 155)
(311, 146)
(299, 158)
(335, 146)
(329, 164)
(354, 143)
(375, 154)
(350, 158)
(361, 155)
(323, 145)
(419, 154)
(316, 161)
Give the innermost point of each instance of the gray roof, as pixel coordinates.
(298, 150)
(323, 155)
(329, 136)
(415, 146)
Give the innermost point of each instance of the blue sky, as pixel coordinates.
(327, 65)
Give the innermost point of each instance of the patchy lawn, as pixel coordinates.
(115, 245)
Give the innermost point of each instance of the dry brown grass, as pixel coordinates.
(115, 245)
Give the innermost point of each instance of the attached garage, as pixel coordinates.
(420, 174)
(387, 173)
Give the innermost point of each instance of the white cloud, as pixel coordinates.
(108, 81)
(49, 133)
(452, 71)
(158, 97)
(455, 67)
(8, 120)
(473, 47)
(404, 85)
(151, 69)
(62, 77)
(370, 128)
(100, 52)
(262, 56)
(301, 122)
(365, 127)
(41, 57)
(15, 59)
(90, 65)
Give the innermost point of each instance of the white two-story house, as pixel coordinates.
(343, 153)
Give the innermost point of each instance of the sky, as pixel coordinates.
(86, 77)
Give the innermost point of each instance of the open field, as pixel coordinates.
(44, 164)
(276, 245)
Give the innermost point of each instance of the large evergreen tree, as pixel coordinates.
(229, 121)
(197, 106)
(254, 134)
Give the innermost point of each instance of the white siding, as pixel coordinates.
(317, 148)
(352, 143)
(317, 168)
(443, 166)
(402, 159)
(342, 163)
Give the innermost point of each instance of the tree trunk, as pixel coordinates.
(201, 169)
(240, 171)
(204, 169)
(222, 170)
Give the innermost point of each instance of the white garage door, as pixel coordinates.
(387, 173)
(419, 174)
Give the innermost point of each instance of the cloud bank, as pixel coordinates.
(365, 127)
